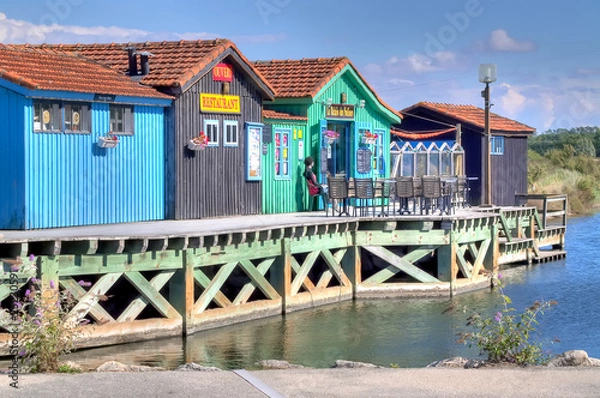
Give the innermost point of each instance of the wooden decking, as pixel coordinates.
(177, 277)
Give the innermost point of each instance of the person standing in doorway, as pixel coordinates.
(314, 188)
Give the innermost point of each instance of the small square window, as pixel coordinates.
(231, 132)
(497, 144)
(77, 118)
(121, 119)
(211, 129)
(46, 116)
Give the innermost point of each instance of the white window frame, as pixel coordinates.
(497, 145)
(213, 135)
(226, 140)
(284, 149)
(378, 155)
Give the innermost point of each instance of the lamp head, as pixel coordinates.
(487, 73)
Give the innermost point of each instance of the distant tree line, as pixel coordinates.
(581, 141)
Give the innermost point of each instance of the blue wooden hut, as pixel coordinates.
(81, 143)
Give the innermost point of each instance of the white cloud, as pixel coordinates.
(500, 41)
(17, 31)
(401, 82)
(512, 101)
(396, 67)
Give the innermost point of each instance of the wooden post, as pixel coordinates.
(545, 207)
(446, 261)
(48, 272)
(281, 274)
(49, 275)
(491, 258)
(188, 291)
(351, 265)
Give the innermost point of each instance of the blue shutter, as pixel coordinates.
(322, 158)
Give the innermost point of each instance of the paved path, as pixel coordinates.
(322, 383)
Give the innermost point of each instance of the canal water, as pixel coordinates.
(404, 333)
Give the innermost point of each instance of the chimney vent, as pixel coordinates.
(132, 56)
(145, 61)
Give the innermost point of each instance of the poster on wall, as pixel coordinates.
(254, 151)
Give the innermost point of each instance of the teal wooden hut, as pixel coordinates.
(325, 109)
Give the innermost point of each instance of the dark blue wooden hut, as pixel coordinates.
(427, 121)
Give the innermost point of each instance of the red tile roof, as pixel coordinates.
(47, 70)
(304, 78)
(171, 63)
(272, 114)
(475, 116)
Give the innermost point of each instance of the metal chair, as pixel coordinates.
(404, 192)
(418, 193)
(449, 188)
(432, 192)
(313, 199)
(383, 192)
(461, 196)
(364, 193)
(338, 191)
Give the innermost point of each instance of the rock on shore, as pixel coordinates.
(568, 358)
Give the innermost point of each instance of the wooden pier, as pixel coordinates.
(171, 278)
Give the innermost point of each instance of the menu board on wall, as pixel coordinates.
(363, 160)
(254, 133)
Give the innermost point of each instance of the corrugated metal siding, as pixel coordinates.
(72, 181)
(284, 196)
(13, 109)
(509, 171)
(212, 182)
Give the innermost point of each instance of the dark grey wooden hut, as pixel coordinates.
(215, 181)
(509, 157)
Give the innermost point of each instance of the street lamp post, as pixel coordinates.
(487, 75)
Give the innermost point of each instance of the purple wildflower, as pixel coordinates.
(499, 276)
(52, 284)
(15, 267)
(31, 257)
(498, 317)
(27, 293)
(37, 322)
(33, 279)
(22, 353)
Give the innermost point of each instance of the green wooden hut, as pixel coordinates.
(325, 109)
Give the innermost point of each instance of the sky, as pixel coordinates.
(547, 52)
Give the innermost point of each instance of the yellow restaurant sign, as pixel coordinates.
(219, 103)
